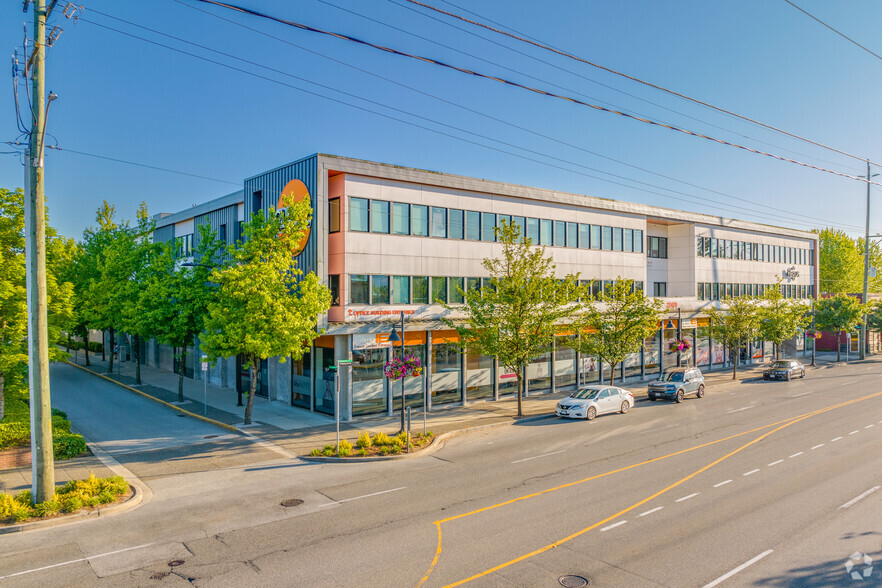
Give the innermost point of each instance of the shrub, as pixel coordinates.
(25, 498)
(316, 452)
(60, 424)
(14, 434)
(382, 439)
(71, 503)
(49, 508)
(364, 440)
(402, 437)
(363, 452)
(345, 449)
(385, 449)
(66, 446)
(59, 412)
(329, 450)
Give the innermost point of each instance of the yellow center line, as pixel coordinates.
(783, 424)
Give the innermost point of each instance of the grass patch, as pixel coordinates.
(69, 498)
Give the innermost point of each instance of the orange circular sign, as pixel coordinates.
(294, 192)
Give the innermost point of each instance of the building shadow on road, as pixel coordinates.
(832, 572)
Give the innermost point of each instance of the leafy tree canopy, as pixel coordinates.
(735, 323)
(781, 318)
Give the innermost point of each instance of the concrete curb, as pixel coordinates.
(225, 426)
(80, 517)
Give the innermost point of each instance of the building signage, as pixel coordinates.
(671, 304)
(376, 313)
(294, 192)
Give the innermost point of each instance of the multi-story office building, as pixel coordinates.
(388, 239)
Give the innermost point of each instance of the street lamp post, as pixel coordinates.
(863, 341)
(393, 337)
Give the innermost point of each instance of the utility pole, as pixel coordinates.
(863, 333)
(42, 461)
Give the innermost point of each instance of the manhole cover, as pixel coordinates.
(572, 581)
(175, 563)
(292, 502)
(209, 436)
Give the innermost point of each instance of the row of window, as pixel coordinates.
(184, 243)
(419, 220)
(727, 249)
(380, 289)
(717, 291)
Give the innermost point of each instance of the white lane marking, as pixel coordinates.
(538, 456)
(819, 445)
(363, 496)
(722, 484)
(776, 462)
(796, 455)
(612, 526)
(737, 409)
(803, 394)
(869, 426)
(64, 563)
(693, 495)
(656, 509)
(853, 432)
(743, 566)
(847, 504)
(750, 472)
(836, 439)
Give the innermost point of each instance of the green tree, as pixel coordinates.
(174, 298)
(516, 317)
(265, 306)
(735, 325)
(841, 267)
(781, 318)
(619, 325)
(837, 314)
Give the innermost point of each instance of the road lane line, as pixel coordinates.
(743, 566)
(776, 462)
(853, 432)
(538, 456)
(613, 526)
(836, 439)
(738, 409)
(869, 426)
(722, 484)
(64, 563)
(853, 500)
(693, 495)
(750, 472)
(363, 496)
(818, 445)
(648, 512)
(803, 394)
(797, 454)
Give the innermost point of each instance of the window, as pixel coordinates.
(502, 220)
(716, 291)
(400, 290)
(334, 287)
(521, 223)
(240, 229)
(473, 284)
(700, 247)
(660, 289)
(379, 216)
(606, 239)
(728, 249)
(736, 250)
(358, 214)
(420, 290)
(379, 289)
(629, 239)
(560, 234)
(638, 240)
(572, 235)
(595, 236)
(584, 236)
(533, 230)
(473, 225)
(456, 286)
(638, 286)
(222, 234)
(657, 247)
(488, 222)
(419, 220)
(358, 289)
(334, 215)
(184, 245)
(456, 223)
(715, 251)
(545, 232)
(400, 218)
(617, 239)
(439, 289)
(439, 222)
(257, 201)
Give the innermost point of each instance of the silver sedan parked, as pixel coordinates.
(590, 401)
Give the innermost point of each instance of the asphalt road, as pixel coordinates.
(757, 484)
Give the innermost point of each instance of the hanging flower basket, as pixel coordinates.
(395, 368)
(813, 334)
(680, 346)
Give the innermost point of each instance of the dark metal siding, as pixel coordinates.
(271, 184)
(164, 234)
(223, 216)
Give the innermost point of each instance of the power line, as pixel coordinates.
(844, 36)
(690, 197)
(529, 88)
(632, 78)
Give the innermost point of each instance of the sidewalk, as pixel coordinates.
(298, 431)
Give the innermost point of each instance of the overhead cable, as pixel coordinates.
(844, 36)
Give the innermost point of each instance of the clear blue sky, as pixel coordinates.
(125, 98)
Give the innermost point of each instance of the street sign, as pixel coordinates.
(204, 363)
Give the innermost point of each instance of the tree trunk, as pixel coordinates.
(86, 344)
(255, 375)
(838, 346)
(2, 397)
(110, 363)
(68, 342)
(520, 375)
(776, 351)
(735, 351)
(137, 356)
(183, 367)
(103, 339)
(612, 373)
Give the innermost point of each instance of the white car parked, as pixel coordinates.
(590, 401)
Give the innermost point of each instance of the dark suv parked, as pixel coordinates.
(677, 383)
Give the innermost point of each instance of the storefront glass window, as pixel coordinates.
(301, 381)
(539, 373)
(590, 370)
(367, 381)
(479, 375)
(651, 356)
(632, 364)
(702, 346)
(446, 366)
(564, 364)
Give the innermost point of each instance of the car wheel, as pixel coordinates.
(626, 406)
(592, 412)
(700, 392)
(679, 398)
(651, 398)
(765, 377)
(803, 374)
(789, 377)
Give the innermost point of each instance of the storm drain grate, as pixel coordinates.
(572, 581)
(159, 576)
(291, 502)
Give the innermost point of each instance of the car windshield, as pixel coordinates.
(673, 377)
(781, 364)
(586, 394)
